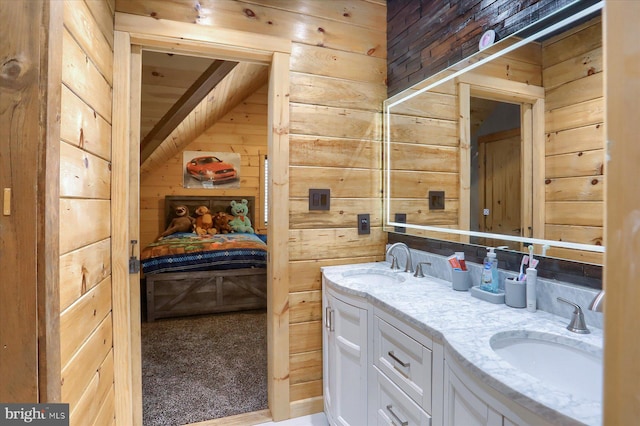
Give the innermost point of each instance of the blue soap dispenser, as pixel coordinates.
(489, 278)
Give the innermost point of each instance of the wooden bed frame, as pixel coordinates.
(173, 294)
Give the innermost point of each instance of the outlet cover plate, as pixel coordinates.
(364, 227)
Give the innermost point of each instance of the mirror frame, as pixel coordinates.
(454, 71)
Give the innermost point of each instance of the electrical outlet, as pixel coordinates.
(363, 224)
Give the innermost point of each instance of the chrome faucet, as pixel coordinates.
(407, 267)
(577, 324)
(597, 304)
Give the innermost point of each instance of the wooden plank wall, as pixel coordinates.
(25, 31)
(85, 186)
(574, 151)
(426, 37)
(243, 131)
(337, 74)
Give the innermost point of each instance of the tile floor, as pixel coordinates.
(318, 419)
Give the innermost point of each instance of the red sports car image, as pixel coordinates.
(211, 169)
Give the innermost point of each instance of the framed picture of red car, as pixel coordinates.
(211, 169)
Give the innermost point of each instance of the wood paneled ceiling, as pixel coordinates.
(169, 81)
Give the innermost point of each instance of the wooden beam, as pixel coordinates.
(196, 38)
(48, 206)
(621, 403)
(278, 242)
(187, 102)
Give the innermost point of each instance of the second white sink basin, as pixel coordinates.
(374, 276)
(566, 364)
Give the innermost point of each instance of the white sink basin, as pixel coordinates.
(566, 364)
(368, 276)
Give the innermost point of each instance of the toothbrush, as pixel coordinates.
(525, 261)
(531, 255)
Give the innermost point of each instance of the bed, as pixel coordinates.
(189, 274)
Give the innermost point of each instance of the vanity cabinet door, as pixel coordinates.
(346, 362)
(463, 407)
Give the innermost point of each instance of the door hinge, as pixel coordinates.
(134, 263)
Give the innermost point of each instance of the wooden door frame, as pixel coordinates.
(531, 100)
(133, 33)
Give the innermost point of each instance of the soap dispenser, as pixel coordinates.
(489, 278)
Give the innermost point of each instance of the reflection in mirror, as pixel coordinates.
(495, 192)
(509, 145)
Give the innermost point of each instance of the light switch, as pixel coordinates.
(319, 199)
(436, 200)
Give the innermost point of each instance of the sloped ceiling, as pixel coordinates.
(166, 78)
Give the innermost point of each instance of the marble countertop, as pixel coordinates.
(465, 325)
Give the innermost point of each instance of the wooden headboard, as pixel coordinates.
(214, 203)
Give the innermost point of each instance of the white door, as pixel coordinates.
(345, 362)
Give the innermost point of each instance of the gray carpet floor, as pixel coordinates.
(201, 368)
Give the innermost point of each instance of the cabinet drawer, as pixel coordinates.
(394, 407)
(404, 360)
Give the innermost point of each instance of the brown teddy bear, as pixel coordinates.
(221, 222)
(204, 222)
(181, 223)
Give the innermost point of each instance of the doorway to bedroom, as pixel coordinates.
(277, 142)
(203, 341)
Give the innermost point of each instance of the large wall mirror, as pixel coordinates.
(506, 148)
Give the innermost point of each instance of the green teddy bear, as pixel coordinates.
(240, 221)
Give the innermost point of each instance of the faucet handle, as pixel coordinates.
(577, 324)
(419, 273)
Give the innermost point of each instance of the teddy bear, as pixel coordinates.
(183, 222)
(221, 222)
(204, 221)
(240, 221)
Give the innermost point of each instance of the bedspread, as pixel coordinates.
(181, 252)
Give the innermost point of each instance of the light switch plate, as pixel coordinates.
(436, 200)
(319, 199)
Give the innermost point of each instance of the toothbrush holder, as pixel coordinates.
(515, 293)
(460, 280)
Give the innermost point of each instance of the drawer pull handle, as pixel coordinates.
(327, 312)
(395, 416)
(396, 359)
(332, 326)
